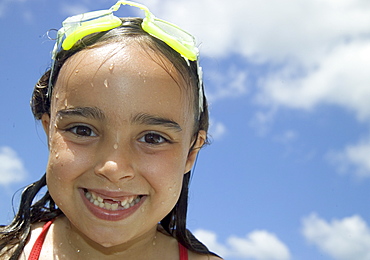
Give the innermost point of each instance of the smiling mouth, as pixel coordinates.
(112, 204)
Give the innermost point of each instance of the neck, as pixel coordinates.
(71, 243)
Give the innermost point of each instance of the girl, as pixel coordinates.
(125, 116)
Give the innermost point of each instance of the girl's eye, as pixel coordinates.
(153, 138)
(82, 130)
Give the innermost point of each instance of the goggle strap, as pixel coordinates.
(200, 90)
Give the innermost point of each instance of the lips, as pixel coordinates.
(109, 206)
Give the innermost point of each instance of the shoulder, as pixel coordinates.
(8, 251)
(35, 232)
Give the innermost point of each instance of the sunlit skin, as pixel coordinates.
(119, 124)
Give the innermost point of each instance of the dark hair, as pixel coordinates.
(13, 237)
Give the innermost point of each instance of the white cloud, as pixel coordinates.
(270, 30)
(319, 47)
(209, 238)
(353, 159)
(341, 78)
(257, 245)
(69, 9)
(286, 137)
(226, 84)
(6, 4)
(11, 166)
(262, 120)
(343, 239)
(216, 129)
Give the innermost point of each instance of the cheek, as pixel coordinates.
(164, 173)
(65, 162)
(65, 165)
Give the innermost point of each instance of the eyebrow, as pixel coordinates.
(88, 112)
(147, 119)
(142, 118)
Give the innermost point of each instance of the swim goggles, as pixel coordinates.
(78, 26)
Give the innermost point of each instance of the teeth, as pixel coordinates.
(108, 206)
(98, 201)
(124, 202)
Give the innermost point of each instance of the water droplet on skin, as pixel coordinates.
(57, 155)
(76, 71)
(78, 250)
(65, 103)
(115, 146)
(111, 67)
(154, 243)
(106, 83)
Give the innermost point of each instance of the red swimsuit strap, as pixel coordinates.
(183, 252)
(36, 249)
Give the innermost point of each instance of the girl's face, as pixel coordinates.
(120, 131)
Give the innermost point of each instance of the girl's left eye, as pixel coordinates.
(153, 138)
(82, 130)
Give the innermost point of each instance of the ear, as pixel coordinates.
(45, 120)
(199, 142)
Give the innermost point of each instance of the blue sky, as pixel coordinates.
(288, 170)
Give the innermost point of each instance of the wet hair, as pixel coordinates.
(14, 236)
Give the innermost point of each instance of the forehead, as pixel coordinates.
(123, 76)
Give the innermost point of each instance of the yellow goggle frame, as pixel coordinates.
(78, 26)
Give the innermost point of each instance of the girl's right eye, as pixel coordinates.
(82, 130)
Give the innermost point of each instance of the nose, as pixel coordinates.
(115, 166)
